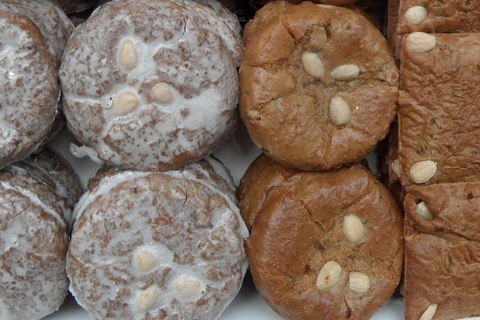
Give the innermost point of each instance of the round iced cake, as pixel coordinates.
(37, 197)
(158, 245)
(29, 88)
(151, 85)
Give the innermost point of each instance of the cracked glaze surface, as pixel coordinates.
(286, 109)
(28, 87)
(111, 71)
(158, 245)
(299, 228)
(35, 212)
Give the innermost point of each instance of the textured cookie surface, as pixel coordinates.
(438, 17)
(262, 175)
(442, 251)
(438, 127)
(157, 245)
(34, 215)
(52, 22)
(318, 85)
(151, 89)
(28, 87)
(327, 245)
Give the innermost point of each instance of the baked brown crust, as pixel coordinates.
(299, 228)
(438, 110)
(262, 175)
(442, 253)
(287, 110)
(442, 17)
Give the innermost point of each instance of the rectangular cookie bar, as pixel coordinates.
(431, 16)
(439, 108)
(442, 251)
(435, 16)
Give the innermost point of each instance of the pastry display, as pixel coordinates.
(165, 96)
(37, 197)
(318, 248)
(214, 135)
(323, 93)
(438, 127)
(152, 245)
(442, 251)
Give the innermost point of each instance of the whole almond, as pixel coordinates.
(328, 275)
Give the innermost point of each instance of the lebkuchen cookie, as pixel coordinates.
(324, 245)
(157, 92)
(158, 245)
(37, 198)
(318, 85)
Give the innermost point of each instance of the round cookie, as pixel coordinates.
(52, 22)
(220, 7)
(326, 245)
(158, 245)
(155, 93)
(263, 174)
(29, 88)
(34, 235)
(318, 85)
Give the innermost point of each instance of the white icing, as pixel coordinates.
(36, 201)
(222, 218)
(23, 127)
(84, 151)
(151, 135)
(34, 283)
